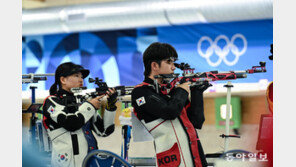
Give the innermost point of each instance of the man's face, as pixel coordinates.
(167, 66)
(72, 81)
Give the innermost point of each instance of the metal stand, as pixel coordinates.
(228, 100)
(227, 123)
(126, 134)
(33, 118)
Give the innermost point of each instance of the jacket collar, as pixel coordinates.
(149, 80)
(152, 83)
(62, 92)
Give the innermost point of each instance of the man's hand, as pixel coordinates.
(201, 87)
(185, 86)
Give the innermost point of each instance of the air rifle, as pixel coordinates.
(202, 77)
(34, 78)
(102, 88)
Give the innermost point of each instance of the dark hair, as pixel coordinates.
(64, 70)
(155, 53)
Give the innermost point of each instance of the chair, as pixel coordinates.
(103, 158)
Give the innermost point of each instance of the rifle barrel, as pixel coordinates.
(29, 75)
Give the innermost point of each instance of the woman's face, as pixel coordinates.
(72, 81)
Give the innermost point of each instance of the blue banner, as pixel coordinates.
(116, 56)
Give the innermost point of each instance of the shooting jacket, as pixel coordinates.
(70, 127)
(172, 121)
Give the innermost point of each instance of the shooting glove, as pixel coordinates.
(201, 87)
(111, 101)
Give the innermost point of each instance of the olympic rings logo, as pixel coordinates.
(222, 52)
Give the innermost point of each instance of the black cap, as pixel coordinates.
(77, 69)
(69, 68)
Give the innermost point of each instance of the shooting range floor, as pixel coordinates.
(209, 136)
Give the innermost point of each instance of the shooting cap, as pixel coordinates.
(69, 68)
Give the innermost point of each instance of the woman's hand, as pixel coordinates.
(111, 99)
(111, 95)
(96, 101)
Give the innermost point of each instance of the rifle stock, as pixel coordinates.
(199, 78)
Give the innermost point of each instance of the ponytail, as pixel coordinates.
(53, 89)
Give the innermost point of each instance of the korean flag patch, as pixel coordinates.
(140, 101)
(51, 109)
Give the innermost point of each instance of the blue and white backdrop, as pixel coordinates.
(116, 56)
